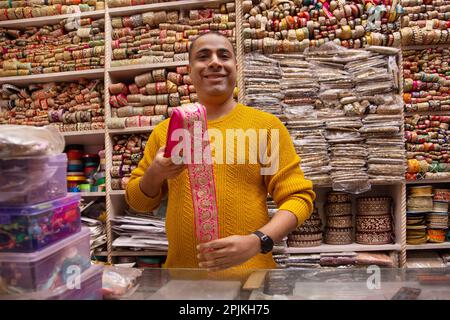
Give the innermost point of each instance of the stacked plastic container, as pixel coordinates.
(44, 252)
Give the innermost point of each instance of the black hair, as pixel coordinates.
(191, 46)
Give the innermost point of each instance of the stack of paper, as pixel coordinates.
(138, 232)
(98, 232)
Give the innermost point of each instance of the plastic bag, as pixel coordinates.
(119, 282)
(20, 141)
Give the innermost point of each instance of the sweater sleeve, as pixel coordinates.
(134, 196)
(287, 185)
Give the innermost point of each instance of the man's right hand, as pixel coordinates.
(159, 171)
(163, 168)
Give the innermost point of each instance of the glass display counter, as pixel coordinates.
(371, 283)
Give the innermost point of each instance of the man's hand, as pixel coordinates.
(160, 170)
(164, 168)
(227, 252)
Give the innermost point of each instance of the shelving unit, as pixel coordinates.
(115, 199)
(428, 246)
(90, 194)
(342, 248)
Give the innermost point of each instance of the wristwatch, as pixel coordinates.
(266, 242)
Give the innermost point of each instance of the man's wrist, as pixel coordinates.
(257, 241)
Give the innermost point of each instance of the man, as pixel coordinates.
(241, 188)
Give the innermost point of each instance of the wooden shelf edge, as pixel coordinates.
(183, 4)
(138, 254)
(428, 246)
(48, 20)
(131, 130)
(428, 113)
(373, 183)
(66, 76)
(145, 67)
(82, 133)
(117, 192)
(89, 194)
(425, 46)
(327, 248)
(427, 181)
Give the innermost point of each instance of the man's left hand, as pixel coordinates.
(227, 252)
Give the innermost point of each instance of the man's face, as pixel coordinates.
(213, 67)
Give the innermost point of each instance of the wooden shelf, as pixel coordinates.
(342, 248)
(54, 77)
(373, 183)
(100, 254)
(138, 253)
(428, 246)
(92, 137)
(49, 20)
(127, 73)
(89, 194)
(428, 181)
(117, 192)
(173, 5)
(131, 130)
(428, 113)
(425, 46)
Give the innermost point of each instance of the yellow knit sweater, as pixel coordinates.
(241, 191)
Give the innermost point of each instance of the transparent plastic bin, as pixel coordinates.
(27, 181)
(47, 269)
(90, 287)
(32, 228)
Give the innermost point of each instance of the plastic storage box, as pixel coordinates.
(32, 228)
(89, 288)
(47, 269)
(27, 181)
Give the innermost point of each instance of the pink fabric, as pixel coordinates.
(201, 175)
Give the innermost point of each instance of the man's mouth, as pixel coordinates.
(214, 76)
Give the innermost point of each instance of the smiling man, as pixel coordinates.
(246, 233)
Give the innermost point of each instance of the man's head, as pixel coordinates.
(212, 65)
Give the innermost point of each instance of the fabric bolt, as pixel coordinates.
(293, 26)
(70, 106)
(12, 10)
(53, 48)
(157, 93)
(165, 36)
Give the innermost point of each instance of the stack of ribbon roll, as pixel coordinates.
(309, 234)
(85, 171)
(25, 9)
(425, 22)
(437, 219)
(75, 169)
(427, 147)
(291, 26)
(348, 155)
(347, 96)
(300, 89)
(339, 217)
(164, 36)
(262, 83)
(374, 221)
(419, 203)
(73, 44)
(70, 106)
(150, 98)
(128, 3)
(426, 79)
(128, 150)
(311, 145)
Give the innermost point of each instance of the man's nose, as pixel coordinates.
(215, 62)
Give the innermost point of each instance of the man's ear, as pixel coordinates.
(189, 68)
